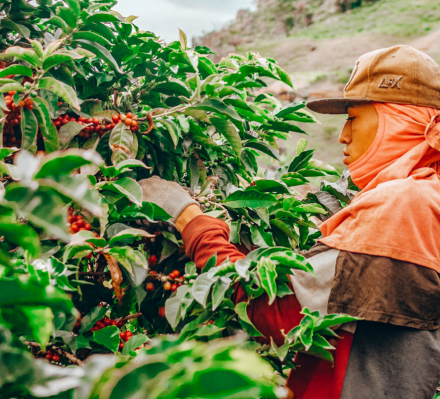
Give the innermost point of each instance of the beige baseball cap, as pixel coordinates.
(399, 74)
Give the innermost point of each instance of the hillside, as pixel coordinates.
(318, 41)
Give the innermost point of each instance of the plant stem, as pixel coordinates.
(73, 359)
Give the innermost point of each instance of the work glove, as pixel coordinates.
(169, 195)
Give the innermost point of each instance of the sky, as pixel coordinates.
(164, 17)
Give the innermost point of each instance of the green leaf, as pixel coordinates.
(133, 261)
(62, 90)
(48, 129)
(245, 322)
(306, 208)
(128, 187)
(103, 17)
(207, 67)
(129, 234)
(108, 336)
(58, 22)
(91, 37)
(54, 60)
(271, 186)
(301, 160)
(320, 352)
(301, 146)
(78, 189)
(76, 251)
(27, 55)
(12, 86)
(63, 163)
(172, 89)
(203, 50)
(281, 351)
(173, 311)
(27, 292)
(68, 16)
(89, 320)
(41, 207)
(288, 109)
(29, 128)
(219, 291)
(16, 70)
(20, 29)
(74, 6)
(228, 130)
(37, 47)
(293, 261)
(99, 51)
(4, 152)
(21, 235)
(284, 76)
(319, 165)
(67, 132)
(193, 171)
(264, 148)
(121, 167)
(202, 288)
(133, 343)
(121, 142)
(183, 40)
(210, 263)
(172, 129)
(333, 320)
(267, 272)
(249, 198)
(217, 106)
(40, 323)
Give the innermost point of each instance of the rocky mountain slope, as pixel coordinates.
(318, 42)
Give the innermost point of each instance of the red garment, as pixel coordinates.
(205, 236)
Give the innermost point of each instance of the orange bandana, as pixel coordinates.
(397, 213)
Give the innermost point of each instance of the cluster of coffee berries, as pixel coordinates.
(170, 282)
(77, 223)
(94, 125)
(106, 322)
(52, 356)
(175, 282)
(13, 118)
(124, 336)
(128, 119)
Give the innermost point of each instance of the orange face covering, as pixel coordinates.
(397, 213)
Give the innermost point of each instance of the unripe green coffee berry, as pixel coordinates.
(34, 94)
(27, 85)
(192, 281)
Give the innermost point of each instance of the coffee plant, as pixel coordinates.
(90, 105)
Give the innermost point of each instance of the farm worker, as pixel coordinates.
(379, 257)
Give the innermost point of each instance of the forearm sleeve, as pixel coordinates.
(205, 236)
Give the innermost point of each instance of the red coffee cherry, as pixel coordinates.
(152, 260)
(149, 287)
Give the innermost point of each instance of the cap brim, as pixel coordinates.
(335, 105)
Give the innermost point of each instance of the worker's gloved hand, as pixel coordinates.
(170, 196)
